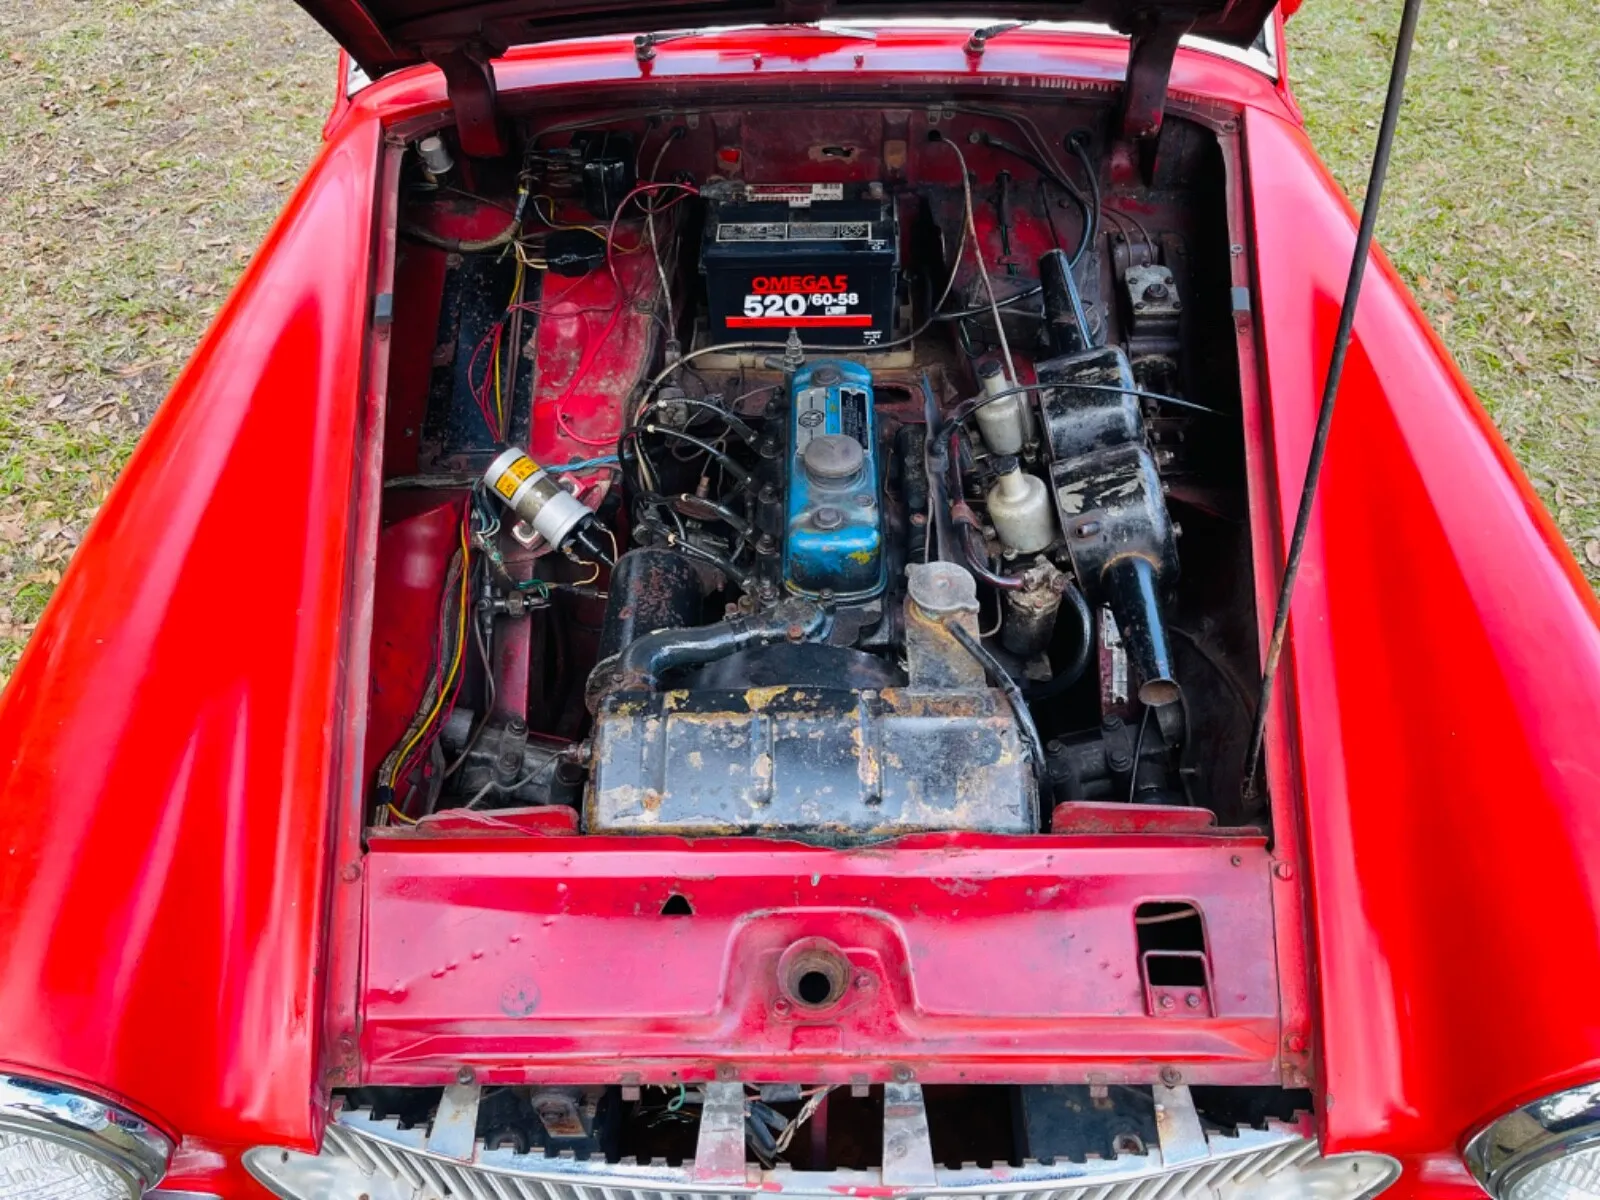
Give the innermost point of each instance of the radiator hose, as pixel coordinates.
(646, 659)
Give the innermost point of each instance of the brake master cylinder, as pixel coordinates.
(833, 539)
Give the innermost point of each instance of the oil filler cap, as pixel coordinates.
(830, 457)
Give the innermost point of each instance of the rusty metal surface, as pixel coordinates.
(975, 958)
(817, 765)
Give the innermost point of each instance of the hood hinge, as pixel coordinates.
(1153, 46)
(469, 80)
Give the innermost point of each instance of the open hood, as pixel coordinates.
(382, 35)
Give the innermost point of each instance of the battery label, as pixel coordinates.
(795, 231)
(800, 301)
(795, 195)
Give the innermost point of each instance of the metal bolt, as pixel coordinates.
(902, 1074)
(466, 1075)
(1087, 529)
(1283, 870)
(781, 1007)
(351, 872)
(1155, 291)
(1192, 1000)
(1295, 1042)
(1236, 861)
(827, 518)
(1165, 1001)
(919, 519)
(726, 1072)
(860, 58)
(795, 633)
(1171, 1076)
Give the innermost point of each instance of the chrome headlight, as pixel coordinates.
(1547, 1150)
(61, 1144)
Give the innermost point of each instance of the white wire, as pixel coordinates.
(807, 1111)
(650, 226)
(977, 253)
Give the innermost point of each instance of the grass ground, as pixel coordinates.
(146, 147)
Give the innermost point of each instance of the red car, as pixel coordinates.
(694, 626)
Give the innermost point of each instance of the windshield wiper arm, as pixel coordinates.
(981, 37)
(644, 45)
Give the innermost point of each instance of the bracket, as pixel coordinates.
(469, 80)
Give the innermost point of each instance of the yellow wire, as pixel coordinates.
(396, 812)
(438, 703)
(499, 403)
(597, 230)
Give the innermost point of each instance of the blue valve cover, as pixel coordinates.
(834, 523)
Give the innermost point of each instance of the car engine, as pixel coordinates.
(872, 474)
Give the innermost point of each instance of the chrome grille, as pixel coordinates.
(379, 1160)
(382, 1148)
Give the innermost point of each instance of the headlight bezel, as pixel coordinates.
(1506, 1150)
(125, 1143)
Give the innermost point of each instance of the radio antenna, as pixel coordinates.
(1330, 389)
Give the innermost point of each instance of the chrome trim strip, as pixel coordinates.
(126, 1143)
(1533, 1135)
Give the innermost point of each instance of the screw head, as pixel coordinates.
(902, 1074)
(1283, 871)
(466, 1075)
(1166, 1002)
(1171, 1076)
(1192, 1000)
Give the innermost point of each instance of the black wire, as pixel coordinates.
(984, 309)
(744, 432)
(733, 468)
(1002, 679)
(688, 548)
(1075, 144)
(1138, 749)
(1073, 671)
(1090, 210)
(1330, 389)
(966, 408)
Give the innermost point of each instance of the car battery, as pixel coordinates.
(828, 269)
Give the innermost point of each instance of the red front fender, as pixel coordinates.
(1447, 677)
(167, 742)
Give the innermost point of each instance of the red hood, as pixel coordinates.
(383, 35)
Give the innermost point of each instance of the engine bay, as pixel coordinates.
(830, 475)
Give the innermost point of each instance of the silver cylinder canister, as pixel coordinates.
(529, 491)
(1020, 510)
(1002, 423)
